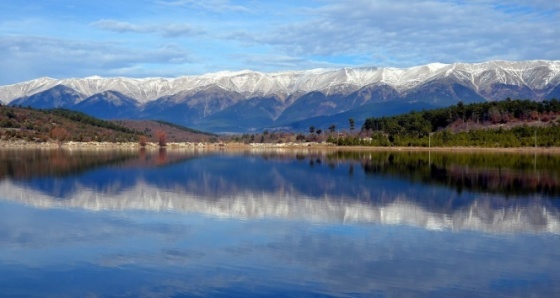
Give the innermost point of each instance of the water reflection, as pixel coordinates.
(440, 191)
(184, 223)
(508, 174)
(28, 163)
(22, 164)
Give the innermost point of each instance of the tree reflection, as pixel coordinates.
(32, 163)
(29, 163)
(510, 175)
(507, 174)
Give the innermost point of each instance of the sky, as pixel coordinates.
(171, 38)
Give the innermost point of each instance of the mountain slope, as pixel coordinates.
(247, 115)
(187, 108)
(108, 105)
(58, 96)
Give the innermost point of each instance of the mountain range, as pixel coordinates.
(247, 101)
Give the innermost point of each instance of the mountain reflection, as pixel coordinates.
(434, 191)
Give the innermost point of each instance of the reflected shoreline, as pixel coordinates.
(512, 175)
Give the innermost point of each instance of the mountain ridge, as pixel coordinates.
(226, 100)
(327, 80)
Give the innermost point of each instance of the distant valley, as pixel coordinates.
(248, 101)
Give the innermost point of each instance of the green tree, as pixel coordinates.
(461, 110)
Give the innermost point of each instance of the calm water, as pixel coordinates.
(220, 224)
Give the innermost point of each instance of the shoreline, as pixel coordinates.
(264, 146)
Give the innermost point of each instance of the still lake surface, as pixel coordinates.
(278, 223)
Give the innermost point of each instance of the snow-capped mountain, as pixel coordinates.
(287, 97)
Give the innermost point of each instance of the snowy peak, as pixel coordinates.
(539, 75)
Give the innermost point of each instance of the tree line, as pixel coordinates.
(86, 119)
(508, 123)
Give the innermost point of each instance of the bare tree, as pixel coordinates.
(60, 134)
(162, 138)
(142, 140)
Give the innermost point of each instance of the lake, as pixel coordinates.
(295, 223)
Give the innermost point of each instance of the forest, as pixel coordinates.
(508, 123)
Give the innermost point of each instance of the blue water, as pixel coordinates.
(251, 224)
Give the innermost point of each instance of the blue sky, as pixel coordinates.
(170, 38)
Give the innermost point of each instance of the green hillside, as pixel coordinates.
(509, 123)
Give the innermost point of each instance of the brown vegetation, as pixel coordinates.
(142, 140)
(162, 138)
(25, 124)
(60, 134)
(149, 128)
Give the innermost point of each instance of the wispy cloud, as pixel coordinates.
(94, 52)
(117, 26)
(412, 32)
(271, 62)
(210, 5)
(36, 56)
(166, 30)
